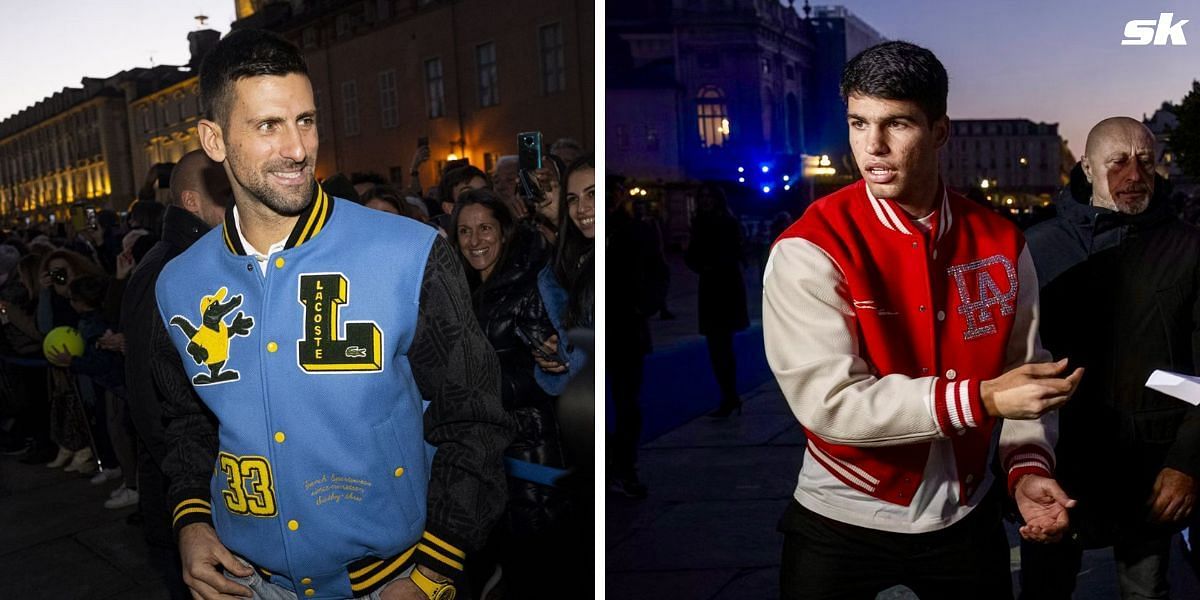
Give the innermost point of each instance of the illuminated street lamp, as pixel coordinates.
(983, 185)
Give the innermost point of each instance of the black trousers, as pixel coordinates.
(724, 364)
(625, 375)
(828, 559)
(156, 524)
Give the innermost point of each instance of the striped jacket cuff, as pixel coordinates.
(1027, 460)
(196, 509)
(958, 406)
(441, 552)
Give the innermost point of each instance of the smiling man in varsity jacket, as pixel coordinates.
(297, 345)
(900, 320)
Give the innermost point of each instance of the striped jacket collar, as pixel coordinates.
(890, 216)
(308, 225)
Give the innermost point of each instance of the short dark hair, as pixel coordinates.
(244, 53)
(898, 71)
(457, 176)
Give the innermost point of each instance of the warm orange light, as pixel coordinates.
(451, 156)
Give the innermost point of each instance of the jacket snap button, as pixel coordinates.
(921, 308)
(250, 268)
(970, 478)
(951, 374)
(914, 245)
(941, 315)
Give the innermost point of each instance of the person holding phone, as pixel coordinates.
(529, 543)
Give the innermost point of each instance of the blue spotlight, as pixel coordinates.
(741, 169)
(766, 169)
(766, 189)
(741, 180)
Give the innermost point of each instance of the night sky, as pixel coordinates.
(1055, 61)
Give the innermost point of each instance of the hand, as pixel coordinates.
(1029, 391)
(419, 157)
(111, 341)
(1173, 497)
(549, 348)
(59, 357)
(125, 264)
(1044, 506)
(200, 553)
(405, 589)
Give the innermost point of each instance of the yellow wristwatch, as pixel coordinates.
(434, 590)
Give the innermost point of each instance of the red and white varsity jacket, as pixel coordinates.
(880, 328)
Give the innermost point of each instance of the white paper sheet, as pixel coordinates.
(1176, 385)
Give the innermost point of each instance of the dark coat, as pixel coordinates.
(636, 283)
(139, 312)
(715, 253)
(512, 316)
(1120, 296)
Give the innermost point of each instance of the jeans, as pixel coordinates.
(265, 590)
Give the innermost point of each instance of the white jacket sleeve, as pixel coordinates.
(813, 348)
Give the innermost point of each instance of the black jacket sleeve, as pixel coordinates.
(191, 434)
(456, 369)
(1184, 454)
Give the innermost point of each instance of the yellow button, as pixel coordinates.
(293, 524)
(279, 437)
(279, 265)
(310, 592)
(272, 346)
(306, 581)
(399, 471)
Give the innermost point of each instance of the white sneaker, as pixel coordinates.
(125, 497)
(106, 475)
(82, 462)
(121, 488)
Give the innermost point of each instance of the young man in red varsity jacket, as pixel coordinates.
(901, 322)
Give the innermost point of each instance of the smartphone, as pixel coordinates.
(529, 150)
(90, 213)
(422, 141)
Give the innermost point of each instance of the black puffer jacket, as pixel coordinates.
(1120, 296)
(511, 314)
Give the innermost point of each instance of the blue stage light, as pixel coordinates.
(766, 189)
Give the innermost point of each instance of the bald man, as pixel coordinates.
(200, 192)
(1120, 296)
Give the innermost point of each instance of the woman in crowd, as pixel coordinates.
(715, 252)
(69, 422)
(567, 283)
(503, 279)
(27, 374)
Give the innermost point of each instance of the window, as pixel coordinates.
(554, 74)
(350, 106)
(147, 120)
(712, 117)
(389, 116)
(485, 63)
(435, 93)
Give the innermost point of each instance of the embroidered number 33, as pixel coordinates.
(251, 486)
(323, 350)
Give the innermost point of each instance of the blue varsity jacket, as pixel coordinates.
(320, 481)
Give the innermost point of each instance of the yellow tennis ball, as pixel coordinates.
(63, 337)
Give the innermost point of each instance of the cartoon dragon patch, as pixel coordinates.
(208, 344)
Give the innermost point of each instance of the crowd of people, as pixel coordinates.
(121, 413)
